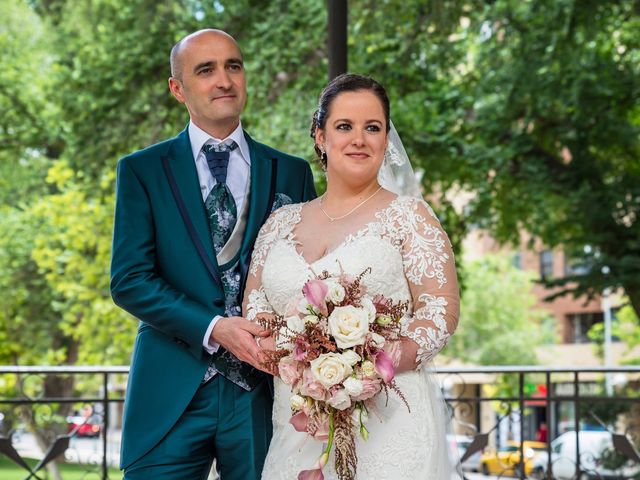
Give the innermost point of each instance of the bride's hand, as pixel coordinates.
(268, 343)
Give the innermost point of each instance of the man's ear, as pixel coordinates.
(175, 86)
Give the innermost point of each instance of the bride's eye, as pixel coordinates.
(343, 126)
(373, 128)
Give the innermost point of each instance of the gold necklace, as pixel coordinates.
(333, 219)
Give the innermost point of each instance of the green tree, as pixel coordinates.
(624, 326)
(499, 324)
(553, 140)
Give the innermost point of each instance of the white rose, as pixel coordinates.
(378, 340)
(349, 326)
(353, 386)
(336, 292)
(368, 368)
(351, 357)
(295, 324)
(370, 308)
(330, 369)
(311, 319)
(297, 402)
(340, 400)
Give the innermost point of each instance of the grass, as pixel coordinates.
(68, 471)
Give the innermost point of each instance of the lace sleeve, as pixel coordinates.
(278, 225)
(430, 270)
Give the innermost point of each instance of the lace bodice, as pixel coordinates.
(409, 255)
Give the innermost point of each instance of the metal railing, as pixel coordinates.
(567, 399)
(490, 407)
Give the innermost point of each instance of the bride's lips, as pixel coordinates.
(358, 155)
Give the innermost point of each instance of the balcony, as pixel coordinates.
(548, 416)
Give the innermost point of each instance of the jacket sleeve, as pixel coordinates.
(136, 285)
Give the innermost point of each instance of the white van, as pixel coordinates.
(592, 445)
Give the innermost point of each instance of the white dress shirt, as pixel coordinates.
(238, 174)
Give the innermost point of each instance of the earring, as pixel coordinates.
(323, 154)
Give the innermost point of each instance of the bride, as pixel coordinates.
(361, 221)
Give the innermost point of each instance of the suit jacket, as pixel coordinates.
(158, 276)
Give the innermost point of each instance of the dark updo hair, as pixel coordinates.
(347, 82)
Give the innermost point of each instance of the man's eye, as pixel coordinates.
(235, 67)
(205, 71)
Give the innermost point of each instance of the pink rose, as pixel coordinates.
(289, 370)
(312, 388)
(340, 399)
(370, 387)
(384, 366)
(315, 291)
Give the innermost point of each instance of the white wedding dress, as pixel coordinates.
(411, 259)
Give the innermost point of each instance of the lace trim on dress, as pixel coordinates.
(279, 225)
(430, 340)
(425, 255)
(257, 303)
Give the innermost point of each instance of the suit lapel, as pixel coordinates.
(184, 171)
(259, 202)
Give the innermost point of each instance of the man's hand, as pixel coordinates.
(237, 335)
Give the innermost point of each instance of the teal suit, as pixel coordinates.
(158, 276)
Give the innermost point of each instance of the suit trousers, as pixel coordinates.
(222, 421)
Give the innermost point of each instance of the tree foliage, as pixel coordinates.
(531, 106)
(499, 324)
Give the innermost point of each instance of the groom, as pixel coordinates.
(188, 211)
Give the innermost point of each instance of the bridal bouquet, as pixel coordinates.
(336, 348)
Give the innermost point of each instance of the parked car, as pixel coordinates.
(84, 426)
(459, 445)
(506, 460)
(594, 445)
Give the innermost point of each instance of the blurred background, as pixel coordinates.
(521, 117)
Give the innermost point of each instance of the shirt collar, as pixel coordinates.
(199, 138)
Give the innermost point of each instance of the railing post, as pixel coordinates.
(105, 428)
(520, 466)
(576, 419)
(549, 473)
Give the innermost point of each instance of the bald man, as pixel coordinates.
(188, 211)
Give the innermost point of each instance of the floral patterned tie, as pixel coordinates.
(221, 207)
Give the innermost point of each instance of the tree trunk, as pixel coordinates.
(633, 293)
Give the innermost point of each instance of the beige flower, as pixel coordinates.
(349, 326)
(330, 369)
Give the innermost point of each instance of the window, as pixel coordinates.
(546, 264)
(573, 267)
(580, 325)
(517, 260)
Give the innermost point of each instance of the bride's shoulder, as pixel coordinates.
(410, 205)
(284, 215)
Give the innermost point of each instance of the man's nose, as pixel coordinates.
(223, 80)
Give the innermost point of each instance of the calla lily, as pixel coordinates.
(316, 472)
(315, 291)
(384, 366)
(299, 421)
